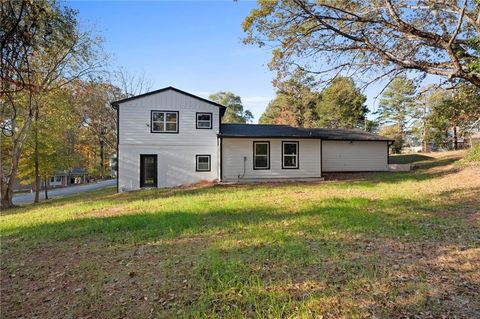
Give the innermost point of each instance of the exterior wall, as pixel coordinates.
(135, 121)
(176, 151)
(176, 165)
(354, 156)
(235, 149)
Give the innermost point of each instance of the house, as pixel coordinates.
(77, 175)
(61, 178)
(170, 137)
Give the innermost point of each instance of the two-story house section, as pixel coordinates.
(170, 137)
(167, 138)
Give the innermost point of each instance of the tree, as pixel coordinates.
(235, 112)
(342, 105)
(129, 84)
(295, 104)
(370, 38)
(46, 151)
(394, 132)
(460, 107)
(98, 121)
(397, 105)
(51, 55)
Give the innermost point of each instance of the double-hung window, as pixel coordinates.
(289, 154)
(164, 122)
(203, 163)
(204, 120)
(261, 155)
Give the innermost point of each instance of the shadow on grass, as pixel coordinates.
(109, 196)
(390, 217)
(408, 158)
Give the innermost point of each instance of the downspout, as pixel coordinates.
(221, 159)
(116, 108)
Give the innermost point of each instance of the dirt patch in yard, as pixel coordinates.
(98, 280)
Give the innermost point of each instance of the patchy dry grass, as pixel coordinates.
(383, 245)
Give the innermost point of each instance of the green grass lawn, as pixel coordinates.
(383, 245)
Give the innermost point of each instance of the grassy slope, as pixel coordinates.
(384, 245)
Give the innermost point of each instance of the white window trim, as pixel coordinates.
(255, 167)
(290, 155)
(165, 122)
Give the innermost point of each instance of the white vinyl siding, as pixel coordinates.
(176, 152)
(235, 168)
(354, 156)
(176, 165)
(135, 120)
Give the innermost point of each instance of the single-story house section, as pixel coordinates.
(170, 137)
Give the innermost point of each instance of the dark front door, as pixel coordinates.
(148, 170)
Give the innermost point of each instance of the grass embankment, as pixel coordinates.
(384, 245)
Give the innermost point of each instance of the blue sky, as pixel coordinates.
(192, 45)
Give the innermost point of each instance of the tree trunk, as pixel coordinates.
(102, 158)
(455, 142)
(36, 164)
(7, 195)
(9, 179)
(424, 133)
(46, 188)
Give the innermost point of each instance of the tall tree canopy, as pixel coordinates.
(42, 50)
(370, 38)
(298, 103)
(397, 106)
(295, 104)
(235, 112)
(342, 105)
(459, 107)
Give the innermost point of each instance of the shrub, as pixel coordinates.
(472, 158)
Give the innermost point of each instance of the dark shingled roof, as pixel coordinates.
(285, 131)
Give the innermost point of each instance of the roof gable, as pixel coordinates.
(115, 104)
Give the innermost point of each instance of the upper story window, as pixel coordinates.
(261, 155)
(164, 122)
(289, 154)
(204, 120)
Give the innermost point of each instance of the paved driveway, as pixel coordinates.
(61, 192)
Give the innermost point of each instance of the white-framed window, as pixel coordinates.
(203, 163)
(261, 155)
(204, 120)
(164, 122)
(289, 154)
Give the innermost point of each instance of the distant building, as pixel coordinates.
(77, 175)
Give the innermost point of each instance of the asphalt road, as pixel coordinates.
(26, 198)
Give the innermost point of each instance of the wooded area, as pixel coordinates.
(55, 95)
(325, 53)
